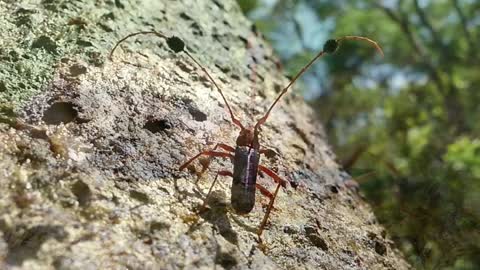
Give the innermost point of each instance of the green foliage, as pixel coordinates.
(247, 5)
(463, 155)
(412, 117)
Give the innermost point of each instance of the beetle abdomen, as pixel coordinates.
(245, 166)
(243, 199)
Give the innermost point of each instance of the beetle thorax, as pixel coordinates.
(248, 137)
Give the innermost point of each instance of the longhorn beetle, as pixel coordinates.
(246, 154)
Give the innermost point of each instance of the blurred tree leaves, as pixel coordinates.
(247, 5)
(413, 117)
(463, 155)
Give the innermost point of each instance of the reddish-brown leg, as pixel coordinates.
(223, 173)
(264, 191)
(269, 153)
(211, 153)
(224, 147)
(267, 214)
(273, 175)
(206, 164)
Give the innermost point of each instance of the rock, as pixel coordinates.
(105, 192)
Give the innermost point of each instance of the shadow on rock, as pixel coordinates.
(216, 214)
(26, 245)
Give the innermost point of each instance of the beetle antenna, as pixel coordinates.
(110, 56)
(177, 45)
(329, 47)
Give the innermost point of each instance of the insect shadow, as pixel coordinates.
(215, 213)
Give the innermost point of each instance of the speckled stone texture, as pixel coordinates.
(90, 147)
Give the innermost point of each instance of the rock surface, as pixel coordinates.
(90, 147)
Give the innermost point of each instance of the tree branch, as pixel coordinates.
(468, 35)
(447, 88)
(402, 20)
(427, 24)
(437, 41)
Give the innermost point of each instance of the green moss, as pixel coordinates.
(3, 87)
(46, 43)
(34, 38)
(7, 114)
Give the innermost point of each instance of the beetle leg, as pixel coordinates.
(273, 175)
(264, 191)
(267, 214)
(206, 164)
(211, 153)
(269, 153)
(223, 173)
(224, 147)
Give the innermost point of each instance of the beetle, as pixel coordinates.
(247, 151)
